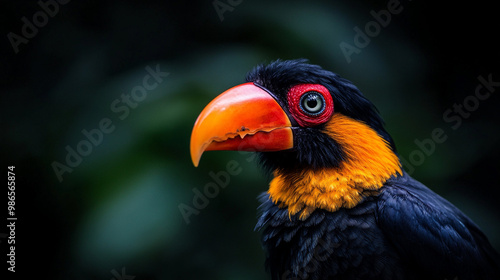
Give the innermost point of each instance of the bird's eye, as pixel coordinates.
(312, 103)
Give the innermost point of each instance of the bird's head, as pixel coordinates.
(324, 141)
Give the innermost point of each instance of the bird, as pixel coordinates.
(339, 204)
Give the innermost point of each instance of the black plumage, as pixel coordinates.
(405, 232)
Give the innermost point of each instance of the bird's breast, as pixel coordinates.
(326, 244)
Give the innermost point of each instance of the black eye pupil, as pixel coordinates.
(312, 103)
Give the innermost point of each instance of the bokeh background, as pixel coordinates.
(117, 213)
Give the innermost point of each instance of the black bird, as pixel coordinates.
(339, 206)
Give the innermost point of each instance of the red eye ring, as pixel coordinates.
(296, 104)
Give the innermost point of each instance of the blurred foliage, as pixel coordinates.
(120, 206)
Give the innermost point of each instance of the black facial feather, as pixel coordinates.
(312, 147)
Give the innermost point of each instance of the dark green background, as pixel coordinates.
(119, 207)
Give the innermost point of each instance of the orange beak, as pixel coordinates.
(243, 118)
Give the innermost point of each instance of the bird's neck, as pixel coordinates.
(369, 163)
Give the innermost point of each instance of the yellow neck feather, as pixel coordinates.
(370, 162)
